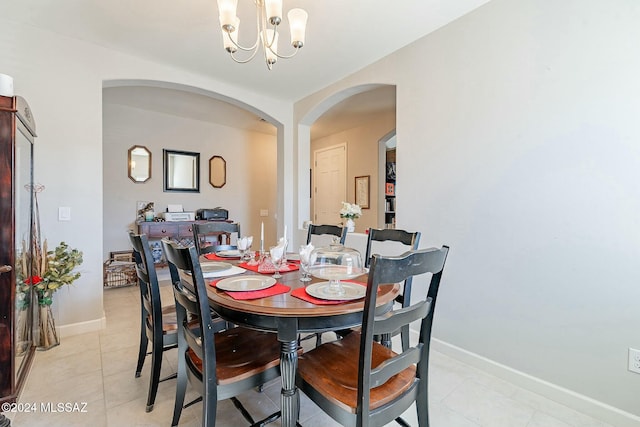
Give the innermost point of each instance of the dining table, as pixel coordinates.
(289, 314)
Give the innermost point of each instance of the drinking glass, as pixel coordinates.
(277, 255)
(304, 264)
(251, 256)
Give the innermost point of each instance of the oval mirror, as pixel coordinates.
(217, 171)
(139, 164)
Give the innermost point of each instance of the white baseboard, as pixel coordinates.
(586, 405)
(83, 327)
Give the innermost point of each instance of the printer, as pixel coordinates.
(213, 214)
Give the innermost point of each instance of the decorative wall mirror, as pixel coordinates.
(139, 159)
(217, 171)
(181, 171)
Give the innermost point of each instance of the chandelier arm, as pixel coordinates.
(243, 61)
(246, 49)
(297, 49)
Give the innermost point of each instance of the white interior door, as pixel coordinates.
(330, 183)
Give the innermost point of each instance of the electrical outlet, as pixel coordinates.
(634, 360)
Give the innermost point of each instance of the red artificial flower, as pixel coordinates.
(33, 280)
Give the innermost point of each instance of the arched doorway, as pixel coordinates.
(359, 117)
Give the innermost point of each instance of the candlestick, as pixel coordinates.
(262, 237)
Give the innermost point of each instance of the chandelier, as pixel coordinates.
(268, 18)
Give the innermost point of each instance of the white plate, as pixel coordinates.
(351, 291)
(231, 253)
(232, 271)
(214, 266)
(293, 256)
(246, 283)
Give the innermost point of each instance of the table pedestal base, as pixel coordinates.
(289, 396)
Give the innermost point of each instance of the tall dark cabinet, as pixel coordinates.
(17, 299)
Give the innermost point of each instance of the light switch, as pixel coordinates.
(64, 214)
(264, 212)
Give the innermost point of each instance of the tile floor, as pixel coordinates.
(98, 369)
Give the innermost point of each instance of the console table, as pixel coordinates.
(181, 231)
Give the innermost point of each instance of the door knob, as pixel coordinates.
(5, 268)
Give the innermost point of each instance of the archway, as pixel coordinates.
(372, 131)
(208, 139)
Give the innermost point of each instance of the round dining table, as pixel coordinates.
(288, 316)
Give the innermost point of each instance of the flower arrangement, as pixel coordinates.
(350, 211)
(57, 270)
(51, 270)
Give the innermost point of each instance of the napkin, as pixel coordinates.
(277, 251)
(245, 242)
(305, 254)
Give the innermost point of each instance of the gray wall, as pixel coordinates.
(251, 170)
(518, 147)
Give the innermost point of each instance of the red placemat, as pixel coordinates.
(284, 269)
(214, 257)
(302, 294)
(276, 289)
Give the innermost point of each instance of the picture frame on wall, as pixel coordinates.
(362, 191)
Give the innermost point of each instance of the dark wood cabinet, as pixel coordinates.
(18, 303)
(181, 231)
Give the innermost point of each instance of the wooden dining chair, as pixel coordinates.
(218, 365)
(405, 240)
(359, 382)
(158, 324)
(331, 230)
(214, 228)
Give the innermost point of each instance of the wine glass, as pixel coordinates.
(277, 256)
(305, 258)
(242, 247)
(251, 257)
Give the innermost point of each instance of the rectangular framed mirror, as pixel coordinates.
(181, 171)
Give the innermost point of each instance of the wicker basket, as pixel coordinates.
(119, 271)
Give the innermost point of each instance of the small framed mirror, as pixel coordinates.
(181, 171)
(217, 171)
(139, 158)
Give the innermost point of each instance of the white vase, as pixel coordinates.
(351, 225)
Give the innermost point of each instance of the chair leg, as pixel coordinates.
(156, 365)
(181, 389)
(422, 399)
(142, 353)
(209, 406)
(318, 339)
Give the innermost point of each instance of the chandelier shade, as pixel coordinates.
(268, 20)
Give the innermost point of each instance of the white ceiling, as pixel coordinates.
(343, 36)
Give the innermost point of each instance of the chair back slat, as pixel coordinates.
(406, 238)
(390, 367)
(329, 230)
(393, 320)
